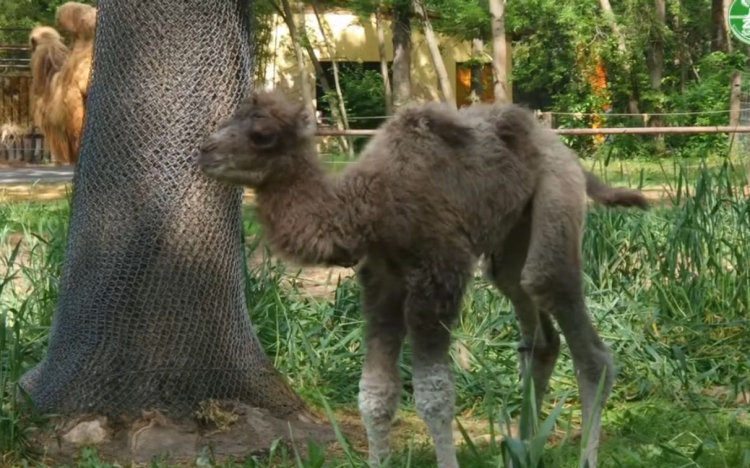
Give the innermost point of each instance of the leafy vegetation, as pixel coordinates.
(26, 14)
(668, 289)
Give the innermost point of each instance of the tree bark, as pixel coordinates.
(735, 99)
(437, 59)
(286, 15)
(622, 48)
(719, 32)
(656, 65)
(152, 309)
(401, 29)
(727, 32)
(388, 92)
(681, 48)
(334, 64)
(296, 41)
(499, 50)
(477, 71)
(656, 51)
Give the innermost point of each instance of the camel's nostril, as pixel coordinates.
(209, 145)
(207, 158)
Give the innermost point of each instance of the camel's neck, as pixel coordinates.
(303, 182)
(301, 213)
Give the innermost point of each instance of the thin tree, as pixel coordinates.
(437, 59)
(319, 72)
(719, 30)
(622, 47)
(401, 28)
(735, 93)
(477, 70)
(656, 62)
(499, 50)
(334, 65)
(380, 31)
(296, 39)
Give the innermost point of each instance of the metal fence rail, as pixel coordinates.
(585, 131)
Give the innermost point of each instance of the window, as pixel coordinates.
(463, 84)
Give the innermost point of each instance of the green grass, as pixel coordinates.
(669, 291)
(653, 173)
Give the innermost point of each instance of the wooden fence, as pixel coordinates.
(20, 141)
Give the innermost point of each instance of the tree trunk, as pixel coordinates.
(388, 92)
(656, 65)
(437, 58)
(286, 15)
(152, 310)
(401, 27)
(735, 99)
(727, 32)
(296, 41)
(334, 64)
(656, 51)
(719, 31)
(477, 71)
(681, 48)
(622, 48)
(499, 50)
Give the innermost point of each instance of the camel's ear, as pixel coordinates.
(306, 123)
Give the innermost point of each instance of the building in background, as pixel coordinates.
(354, 42)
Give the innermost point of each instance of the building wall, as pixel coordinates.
(355, 39)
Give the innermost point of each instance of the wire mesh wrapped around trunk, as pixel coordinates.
(152, 310)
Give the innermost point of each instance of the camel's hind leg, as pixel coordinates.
(380, 385)
(552, 277)
(432, 305)
(540, 342)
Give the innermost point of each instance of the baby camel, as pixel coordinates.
(433, 191)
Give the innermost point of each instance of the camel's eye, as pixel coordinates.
(263, 139)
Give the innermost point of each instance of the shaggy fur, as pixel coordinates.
(61, 77)
(433, 191)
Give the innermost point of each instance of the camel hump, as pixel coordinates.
(429, 121)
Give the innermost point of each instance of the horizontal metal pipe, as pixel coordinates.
(585, 131)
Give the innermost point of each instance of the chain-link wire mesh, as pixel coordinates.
(152, 309)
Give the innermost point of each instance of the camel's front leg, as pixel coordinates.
(431, 308)
(435, 395)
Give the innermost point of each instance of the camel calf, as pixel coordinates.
(433, 191)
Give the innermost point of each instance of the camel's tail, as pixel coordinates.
(614, 196)
(515, 125)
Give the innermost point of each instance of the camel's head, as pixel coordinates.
(77, 19)
(266, 134)
(43, 35)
